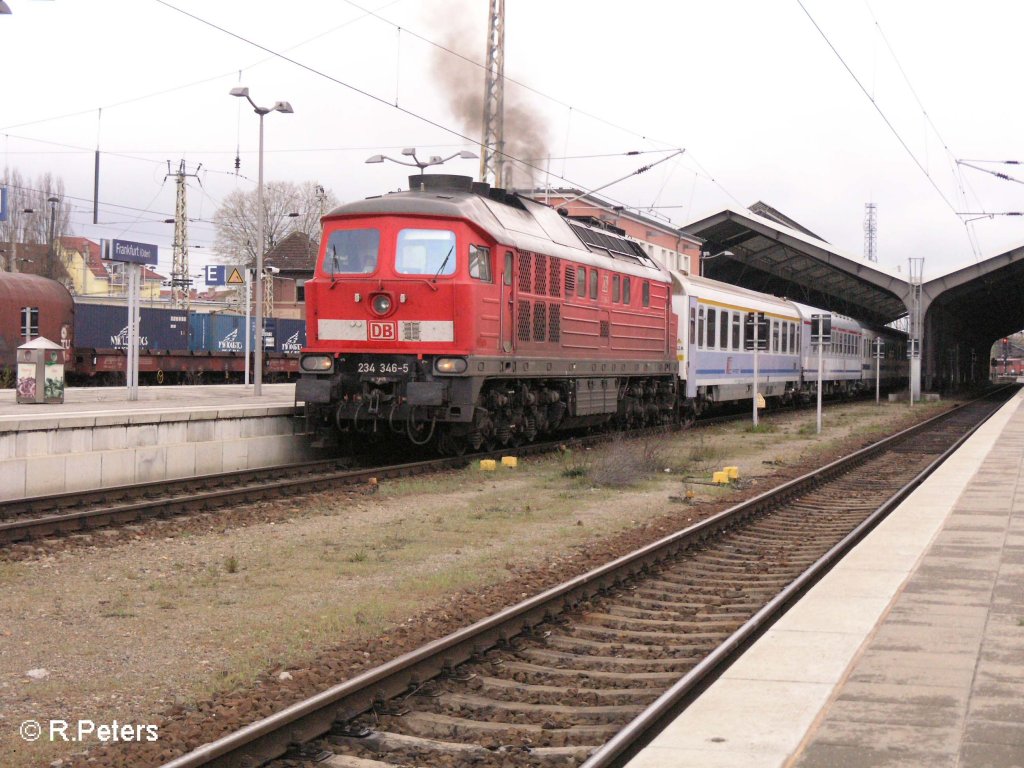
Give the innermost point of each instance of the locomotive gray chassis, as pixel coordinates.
(503, 401)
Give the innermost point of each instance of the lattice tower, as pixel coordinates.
(492, 142)
(871, 232)
(181, 282)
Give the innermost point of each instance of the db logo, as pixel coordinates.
(383, 331)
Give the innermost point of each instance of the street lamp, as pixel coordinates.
(279, 106)
(422, 164)
(52, 200)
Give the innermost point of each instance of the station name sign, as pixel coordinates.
(127, 251)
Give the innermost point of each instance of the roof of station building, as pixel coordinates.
(764, 254)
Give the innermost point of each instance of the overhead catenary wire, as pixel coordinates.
(380, 100)
(886, 120)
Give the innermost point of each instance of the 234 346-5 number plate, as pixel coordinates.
(379, 365)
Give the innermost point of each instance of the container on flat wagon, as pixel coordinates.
(290, 337)
(105, 326)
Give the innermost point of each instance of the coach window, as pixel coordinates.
(775, 335)
(616, 295)
(723, 330)
(785, 338)
(352, 252)
(480, 263)
(736, 331)
(626, 298)
(693, 324)
(712, 317)
(593, 283)
(506, 277)
(700, 327)
(581, 282)
(29, 323)
(425, 252)
(792, 338)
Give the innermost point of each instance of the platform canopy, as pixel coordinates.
(767, 252)
(986, 299)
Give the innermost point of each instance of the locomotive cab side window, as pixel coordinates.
(352, 252)
(506, 277)
(616, 291)
(425, 252)
(593, 283)
(581, 282)
(625, 291)
(645, 294)
(480, 263)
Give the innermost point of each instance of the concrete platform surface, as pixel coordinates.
(98, 438)
(91, 401)
(908, 654)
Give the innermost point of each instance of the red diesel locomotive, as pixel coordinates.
(469, 316)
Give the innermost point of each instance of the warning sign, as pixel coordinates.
(235, 278)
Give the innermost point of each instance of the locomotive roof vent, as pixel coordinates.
(440, 182)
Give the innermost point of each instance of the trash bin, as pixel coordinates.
(40, 372)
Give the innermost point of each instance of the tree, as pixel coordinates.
(235, 219)
(28, 221)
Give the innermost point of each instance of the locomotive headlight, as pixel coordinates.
(316, 363)
(381, 303)
(451, 365)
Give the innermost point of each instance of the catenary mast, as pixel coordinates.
(492, 143)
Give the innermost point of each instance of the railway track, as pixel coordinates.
(582, 674)
(37, 517)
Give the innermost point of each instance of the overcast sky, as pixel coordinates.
(749, 88)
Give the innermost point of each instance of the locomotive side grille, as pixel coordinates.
(540, 274)
(524, 271)
(540, 321)
(570, 281)
(554, 323)
(604, 329)
(523, 321)
(555, 278)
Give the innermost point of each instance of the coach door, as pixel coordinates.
(508, 300)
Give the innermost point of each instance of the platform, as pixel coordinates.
(98, 438)
(909, 653)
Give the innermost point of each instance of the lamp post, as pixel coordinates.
(52, 200)
(422, 164)
(279, 106)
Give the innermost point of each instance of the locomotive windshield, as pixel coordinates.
(425, 252)
(352, 252)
